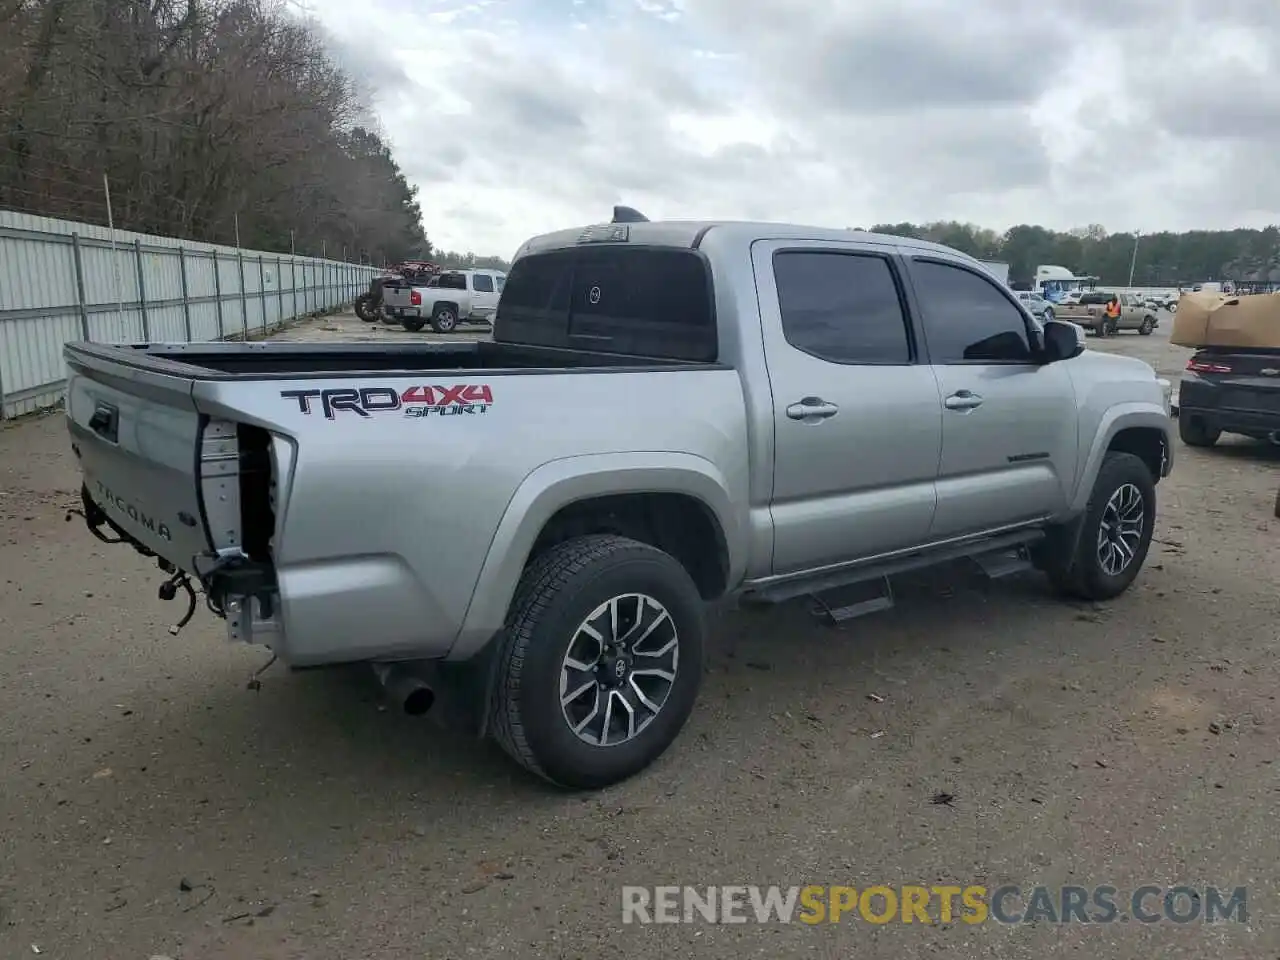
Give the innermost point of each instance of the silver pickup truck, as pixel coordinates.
(667, 414)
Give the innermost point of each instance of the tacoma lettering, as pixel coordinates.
(158, 527)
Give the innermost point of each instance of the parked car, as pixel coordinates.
(1037, 304)
(1230, 390)
(664, 417)
(1091, 313)
(449, 298)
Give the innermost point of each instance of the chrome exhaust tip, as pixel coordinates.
(410, 693)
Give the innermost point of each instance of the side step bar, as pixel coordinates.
(843, 595)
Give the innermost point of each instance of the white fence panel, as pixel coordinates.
(62, 281)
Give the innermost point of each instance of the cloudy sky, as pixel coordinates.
(515, 117)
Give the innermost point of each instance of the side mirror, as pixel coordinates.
(1063, 340)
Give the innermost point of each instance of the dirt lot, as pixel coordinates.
(151, 805)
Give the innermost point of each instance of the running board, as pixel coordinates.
(998, 564)
(852, 601)
(820, 584)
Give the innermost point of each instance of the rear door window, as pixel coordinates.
(841, 307)
(483, 283)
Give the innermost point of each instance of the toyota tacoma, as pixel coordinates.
(667, 414)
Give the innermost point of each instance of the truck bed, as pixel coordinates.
(290, 361)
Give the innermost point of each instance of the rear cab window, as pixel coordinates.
(616, 298)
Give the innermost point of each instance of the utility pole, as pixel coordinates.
(1134, 261)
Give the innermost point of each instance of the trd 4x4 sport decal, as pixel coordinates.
(461, 399)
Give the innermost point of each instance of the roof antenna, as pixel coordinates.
(628, 215)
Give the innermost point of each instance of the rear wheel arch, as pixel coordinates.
(678, 498)
(678, 524)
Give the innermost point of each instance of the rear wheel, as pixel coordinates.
(600, 663)
(1148, 324)
(444, 318)
(1115, 532)
(1195, 432)
(364, 308)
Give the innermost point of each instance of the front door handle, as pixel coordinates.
(962, 400)
(812, 409)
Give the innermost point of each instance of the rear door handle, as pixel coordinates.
(812, 409)
(962, 400)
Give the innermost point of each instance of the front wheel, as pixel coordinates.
(1148, 324)
(600, 661)
(1115, 532)
(364, 308)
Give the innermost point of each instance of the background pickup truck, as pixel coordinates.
(667, 414)
(446, 300)
(1091, 313)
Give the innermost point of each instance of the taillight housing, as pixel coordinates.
(1204, 366)
(415, 298)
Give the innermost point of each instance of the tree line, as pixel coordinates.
(211, 120)
(1156, 259)
(452, 260)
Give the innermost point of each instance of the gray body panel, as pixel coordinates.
(403, 536)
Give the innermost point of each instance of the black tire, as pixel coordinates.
(444, 318)
(1081, 574)
(557, 593)
(412, 324)
(1148, 324)
(1195, 432)
(1048, 314)
(364, 308)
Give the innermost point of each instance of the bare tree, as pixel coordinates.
(198, 111)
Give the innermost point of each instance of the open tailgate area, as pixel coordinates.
(136, 433)
(179, 484)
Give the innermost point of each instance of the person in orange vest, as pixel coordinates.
(1112, 322)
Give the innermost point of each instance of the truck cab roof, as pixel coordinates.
(689, 234)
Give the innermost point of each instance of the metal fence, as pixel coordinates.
(61, 281)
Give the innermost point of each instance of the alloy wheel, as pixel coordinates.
(619, 670)
(1120, 533)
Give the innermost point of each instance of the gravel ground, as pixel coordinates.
(152, 805)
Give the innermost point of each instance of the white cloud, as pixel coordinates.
(516, 117)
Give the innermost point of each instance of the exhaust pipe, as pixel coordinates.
(413, 694)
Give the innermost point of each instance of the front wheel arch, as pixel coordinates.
(1136, 427)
